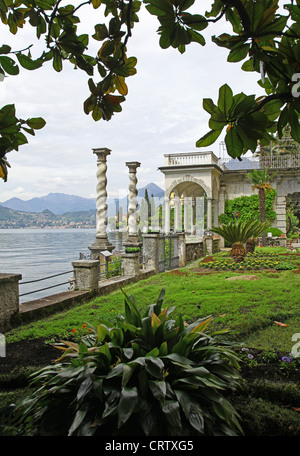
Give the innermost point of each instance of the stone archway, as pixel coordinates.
(188, 184)
(187, 198)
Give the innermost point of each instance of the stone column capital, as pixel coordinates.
(133, 165)
(102, 153)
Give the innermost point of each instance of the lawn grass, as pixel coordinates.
(248, 307)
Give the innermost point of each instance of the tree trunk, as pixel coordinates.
(262, 210)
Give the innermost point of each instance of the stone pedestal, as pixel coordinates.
(86, 274)
(131, 264)
(281, 213)
(208, 243)
(151, 251)
(181, 250)
(9, 298)
(101, 243)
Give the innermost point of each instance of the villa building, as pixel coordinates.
(200, 181)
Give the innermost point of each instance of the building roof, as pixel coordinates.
(236, 165)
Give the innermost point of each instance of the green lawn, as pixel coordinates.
(248, 308)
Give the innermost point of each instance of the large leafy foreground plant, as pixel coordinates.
(148, 375)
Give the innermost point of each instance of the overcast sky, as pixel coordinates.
(162, 114)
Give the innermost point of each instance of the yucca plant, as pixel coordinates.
(147, 375)
(238, 232)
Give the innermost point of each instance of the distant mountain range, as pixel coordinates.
(60, 203)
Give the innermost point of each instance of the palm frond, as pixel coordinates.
(240, 231)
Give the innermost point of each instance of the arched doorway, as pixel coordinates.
(188, 209)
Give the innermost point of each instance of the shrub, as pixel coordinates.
(275, 231)
(115, 266)
(147, 375)
(132, 249)
(248, 208)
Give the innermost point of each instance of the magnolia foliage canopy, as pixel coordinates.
(262, 39)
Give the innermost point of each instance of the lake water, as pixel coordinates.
(39, 253)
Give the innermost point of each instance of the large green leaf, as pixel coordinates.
(79, 417)
(209, 138)
(171, 410)
(28, 63)
(101, 32)
(158, 389)
(9, 65)
(184, 400)
(57, 62)
(127, 374)
(233, 143)
(36, 123)
(195, 21)
(294, 123)
(154, 366)
(159, 7)
(238, 53)
(225, 99)
(128, 401)
(133, 315)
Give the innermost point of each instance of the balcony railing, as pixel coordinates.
(194, 158)
(280, 161)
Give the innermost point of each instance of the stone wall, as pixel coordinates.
(9, 298)
(131, 264)
(86, 274)
(194, 250)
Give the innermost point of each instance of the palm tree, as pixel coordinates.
(261, 179)
(237, 234)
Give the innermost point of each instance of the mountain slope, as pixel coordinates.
(60, 203)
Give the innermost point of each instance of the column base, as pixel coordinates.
(132, 241)
(101, 243)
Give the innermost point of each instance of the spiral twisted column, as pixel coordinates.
(101, 243)
(101, 206)
(132, 202)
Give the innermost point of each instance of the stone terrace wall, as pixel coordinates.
(9, 298)
(194, 250)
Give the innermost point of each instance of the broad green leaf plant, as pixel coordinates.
(263, 38)
(148, 375)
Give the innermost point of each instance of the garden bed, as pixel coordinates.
(266, 384)
(256, 262)
(269, 400)
(37, 353)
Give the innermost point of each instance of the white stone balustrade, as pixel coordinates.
(194, 158)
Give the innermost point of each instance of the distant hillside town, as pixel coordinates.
(58, 210)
